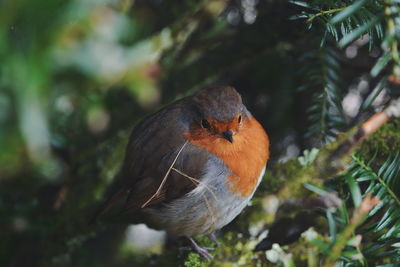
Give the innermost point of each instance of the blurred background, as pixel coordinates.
(75, 77)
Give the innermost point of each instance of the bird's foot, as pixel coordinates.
(202, 251)
(214, 239)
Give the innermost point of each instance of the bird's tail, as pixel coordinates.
(114, 199)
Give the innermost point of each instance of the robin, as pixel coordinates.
(193, 166)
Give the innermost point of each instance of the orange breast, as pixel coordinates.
(245, 157)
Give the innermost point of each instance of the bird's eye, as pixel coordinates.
(240, 119)
(205, 124)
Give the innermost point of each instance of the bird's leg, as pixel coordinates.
(202, 251)
(214, 239)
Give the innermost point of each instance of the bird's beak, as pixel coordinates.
(228, 135)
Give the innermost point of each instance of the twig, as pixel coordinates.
(325, 12)
(194, 180)
(165, 176)
(358, 217)
(337, 159)
(197, 181)
(332, 159)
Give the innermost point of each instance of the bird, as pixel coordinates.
(193, 166)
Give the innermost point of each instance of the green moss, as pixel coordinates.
(286, 179)
(193, 260)
(278, 175)
(279, 178)
(381, 144)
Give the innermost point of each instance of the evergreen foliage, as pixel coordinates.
(373, 239)
(322, 69)
(368, 239)
(76, 75)
(345, 22)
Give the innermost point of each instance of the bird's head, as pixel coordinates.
(220, 114)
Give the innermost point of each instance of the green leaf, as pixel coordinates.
(365, 178)
(379, 245)
(303, 4)
(354, 190)
(388, 218)
(372, 96)
(320, 244)
(387, 254)
(298, 16)
(395, 229)
(347, 12)
(332, 226)
(378, 207)
(315, 189)
(358, 32)
(380, 64)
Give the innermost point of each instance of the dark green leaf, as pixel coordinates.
(354, 190)
(372, 96)
(358, 32)
(347, 11)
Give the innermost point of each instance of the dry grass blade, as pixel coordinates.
(165, 176)
(197, 181)
(194, 180)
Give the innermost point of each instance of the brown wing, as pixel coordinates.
(153, 147)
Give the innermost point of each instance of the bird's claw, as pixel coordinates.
(202, 251)
(214, 239)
